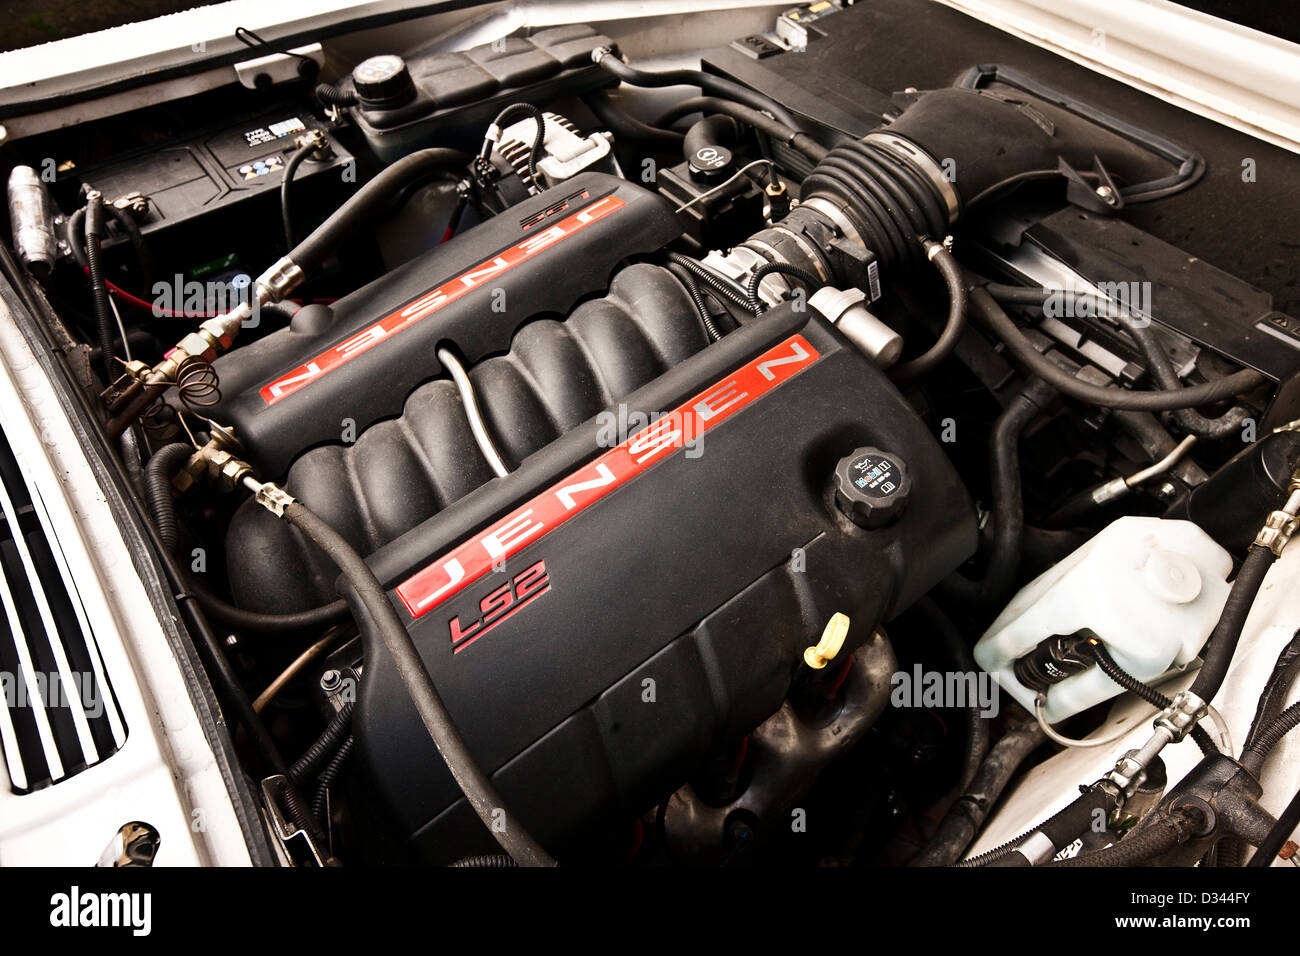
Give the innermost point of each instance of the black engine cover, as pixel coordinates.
(358, 360)
(595, 632)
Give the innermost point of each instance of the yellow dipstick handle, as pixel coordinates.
(824, 651)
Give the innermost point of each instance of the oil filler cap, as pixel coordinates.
(872, 487)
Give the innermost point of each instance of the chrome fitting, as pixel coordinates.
(278, 281)
(1182, 714)
(269, 495)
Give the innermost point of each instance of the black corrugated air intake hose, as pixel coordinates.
(918, 174)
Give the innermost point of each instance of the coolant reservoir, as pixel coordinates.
(1150, 589)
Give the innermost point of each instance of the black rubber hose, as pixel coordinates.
(627, 127)
(1147, 693)
(701, 307)
(1286, 824)
(328, 95)
(1279, 683)
(158, 490)
(1156, 358)
(1253, 757)
(990, 315)
(240, 619)
(714, 281)
(1144, 845)
(1157, 443)
(496, 862)
(1223, 639)
(368, 202)
(158, 476)
(1003, 565)
(811, 280)
(76, 239)
(968, 812)
(328, 777)
(710, 84)
(1065, 827)
(103, 311)
(954, 326)
(331, 738)
(761, 122)
(370, 605)
(290, 168)
(989, 857)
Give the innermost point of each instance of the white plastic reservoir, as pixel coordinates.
(1151, 589)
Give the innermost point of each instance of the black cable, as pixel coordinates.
(373, 610)
(1148, 693)
(1279, 683)
(103, 311)
(995, 320)
(158, 490)
(496, 862)
(1156, 359)
(328, 95)
(1253, 757)
(717, 283)
(539, 139)
(339, 728)
(75, 234)
(813, 282)
(701, 307)
(307, 67)
(953, 328)
(290, 168)
(1145, 844)
(328, 777)
(718, 86)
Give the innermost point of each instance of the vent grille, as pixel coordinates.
(58, 715)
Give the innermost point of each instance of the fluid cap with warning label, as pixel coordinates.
(872, 487)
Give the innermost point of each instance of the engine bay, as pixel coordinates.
(874, 443)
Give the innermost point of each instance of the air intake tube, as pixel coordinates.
(868, 203)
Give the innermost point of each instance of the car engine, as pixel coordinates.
(736, 463)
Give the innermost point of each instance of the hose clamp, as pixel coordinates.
(923, 163)
(837, 217)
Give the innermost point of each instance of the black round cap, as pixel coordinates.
(383, 82)
(710, 162)
(872, 487)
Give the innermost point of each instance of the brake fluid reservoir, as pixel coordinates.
(1150, 589)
